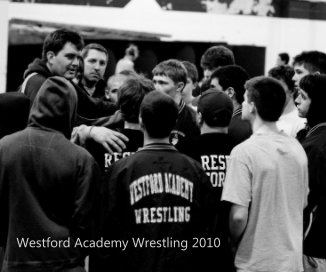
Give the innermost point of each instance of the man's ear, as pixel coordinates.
(230, 92)
(252, 108)
(141, 122)
(180, 86)
(50, 56)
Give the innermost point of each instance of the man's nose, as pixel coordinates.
(97, 66)
(75, 62)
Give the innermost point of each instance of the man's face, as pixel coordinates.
(95, 64)
(65, 62)
(303, 103)
(114, 84)
(165, 84)
(215, 84)
(299, 72)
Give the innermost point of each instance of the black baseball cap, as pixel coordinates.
(216, 108)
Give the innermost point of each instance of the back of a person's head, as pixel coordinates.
(56, 40)
(216, 108)
(313, 61)
(217, 56)
(130, 96)
(315, 85)
(172, 68)
(268, 95)
(159, 113)
(55, 106)
(284, 57)
(191, 70)
(232, 76)
(283, 73)
(94, 46)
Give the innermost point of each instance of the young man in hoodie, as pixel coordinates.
(48, 187)
(310, 101)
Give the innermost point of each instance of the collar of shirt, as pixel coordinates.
(237, 111)
(313, 129)
(158, 146)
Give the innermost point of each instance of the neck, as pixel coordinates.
(263, 126)
(236, 105)
(149, 140)
(129, 57)
(49, 67)
(177, 98)
(88, 84)
(134, 126)
(204, 129)
(290, 106)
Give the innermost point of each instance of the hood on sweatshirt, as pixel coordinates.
(37, 66)
(55, 106)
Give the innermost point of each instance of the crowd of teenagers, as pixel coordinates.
(166, 173)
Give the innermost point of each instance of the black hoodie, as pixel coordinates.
(88, 107)
(35, 82)
(47, 186)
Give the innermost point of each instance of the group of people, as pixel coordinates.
(163, 174)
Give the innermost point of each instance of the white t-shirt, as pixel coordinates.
(291, 123)
(268, 173)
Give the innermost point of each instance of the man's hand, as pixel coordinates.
(111, 140)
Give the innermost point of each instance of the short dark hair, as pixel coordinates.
(313, 61)
(56, 40)
(314, 85)
(130, 96)
(232, 76)
(159, 113)
(191, 70)
(173, 69)
(217, 56)
(284, 57)
(285, 73)
(95, 46)
(268, 95)
(80, 69)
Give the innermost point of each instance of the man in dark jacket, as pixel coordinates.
(61, 50)
(157, 195)
(47, 187)
(310, 103)
(231, 79)
(170, 77)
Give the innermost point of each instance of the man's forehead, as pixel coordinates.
(161, 77)
(70, 48)
(94, 52)
(302, 67)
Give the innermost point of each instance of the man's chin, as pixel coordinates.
(69, 76)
